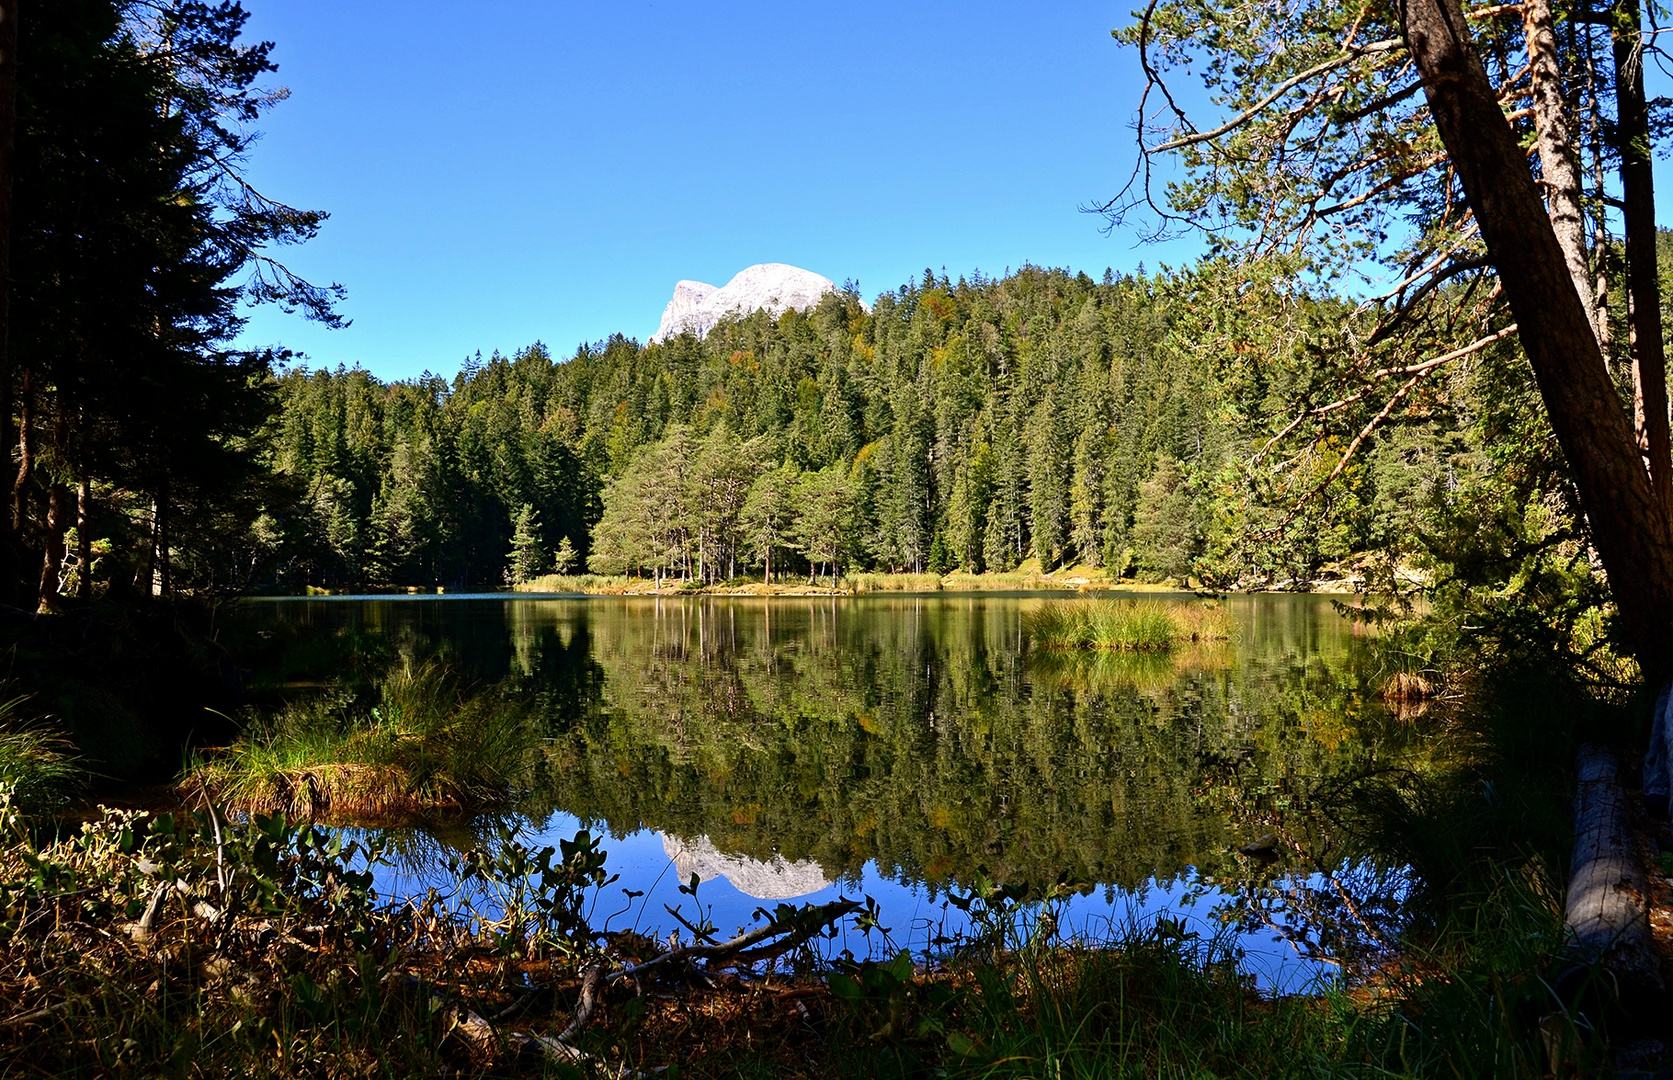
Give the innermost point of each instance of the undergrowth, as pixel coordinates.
(206, 946)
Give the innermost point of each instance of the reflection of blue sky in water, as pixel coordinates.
(914, 916)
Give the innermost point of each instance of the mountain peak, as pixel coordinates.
(774, 287)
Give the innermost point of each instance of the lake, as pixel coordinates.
(910, 747)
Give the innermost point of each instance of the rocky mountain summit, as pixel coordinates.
(775, 287)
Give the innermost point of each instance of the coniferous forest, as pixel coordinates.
(1236, 423)
(974, 425)
(1224, 425)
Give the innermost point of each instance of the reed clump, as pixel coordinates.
(1126, 625)
(428, 745)
(871, 583)
(959, 581)
(1148, 671)
(589, 584)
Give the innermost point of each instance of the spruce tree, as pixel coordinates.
(527, 556)
(565, 558)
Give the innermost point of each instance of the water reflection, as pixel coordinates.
(777, 879)
(900, 745)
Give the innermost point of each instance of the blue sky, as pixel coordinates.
(508, 170)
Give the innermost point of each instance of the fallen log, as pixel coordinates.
(1608, 891)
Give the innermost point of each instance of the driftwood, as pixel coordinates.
(485, 1040)
(1608, 906)
(737, 951)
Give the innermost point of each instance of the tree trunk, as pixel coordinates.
(25, 458)
(1600, 219)
(1629, 529)
(1558, 164)
(84, 540)
(52, 547)
(9, 543)
(1607, 907)
(161, 572)
(1638, 199)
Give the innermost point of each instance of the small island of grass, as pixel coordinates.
(1126, 625)
(429, 745)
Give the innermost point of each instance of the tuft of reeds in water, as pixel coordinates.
(428, 745)
(1147, 671)
(1132, 625)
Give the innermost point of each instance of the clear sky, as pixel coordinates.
(506, 171)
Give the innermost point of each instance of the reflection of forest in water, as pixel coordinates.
(918, 732)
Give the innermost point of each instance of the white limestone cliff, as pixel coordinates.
(775, 287)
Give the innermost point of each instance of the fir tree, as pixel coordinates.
(527, 556)
(564, 559)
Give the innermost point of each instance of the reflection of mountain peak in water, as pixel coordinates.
(776, 880)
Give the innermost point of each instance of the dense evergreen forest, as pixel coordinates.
(973, 425)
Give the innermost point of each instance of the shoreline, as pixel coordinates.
(551, 587)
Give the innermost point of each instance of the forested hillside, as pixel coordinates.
(959, 425)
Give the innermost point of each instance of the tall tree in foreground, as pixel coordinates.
(135, 238)
(1341, 127)
(8, 142)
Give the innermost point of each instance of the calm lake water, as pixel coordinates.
(904, 746)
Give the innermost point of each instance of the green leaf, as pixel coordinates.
(845, 988)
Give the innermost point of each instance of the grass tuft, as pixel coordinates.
(36, 763)
(1129, 625)
(591, 584)
(428, 745)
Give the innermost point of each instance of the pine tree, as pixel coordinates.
(565, 558)
(527, 556)
(1166, 532)
(826, 529)
(939, 559)
(769, 515)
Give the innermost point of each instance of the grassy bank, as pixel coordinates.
(428, 744)
(1128, 625)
